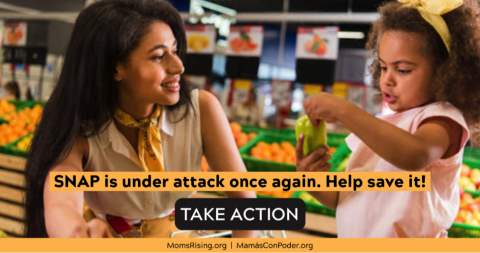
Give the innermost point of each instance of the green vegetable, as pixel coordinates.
(2, 234)
(315, 138)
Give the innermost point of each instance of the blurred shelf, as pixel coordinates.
(11, 210)
(12, 162)
(12, 179)
(11, 194)
(11, 226)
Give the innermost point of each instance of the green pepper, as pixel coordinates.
(315, 137)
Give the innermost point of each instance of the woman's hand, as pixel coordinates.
(245, 234)
(316, 161)
(95, 228)
(323, 106)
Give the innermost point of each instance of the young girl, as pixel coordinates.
(120, 105)
(427, 68)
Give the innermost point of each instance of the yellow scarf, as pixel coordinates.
(149, 140)
(431, 11)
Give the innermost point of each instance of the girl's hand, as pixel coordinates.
(323, 106)
(316, 161)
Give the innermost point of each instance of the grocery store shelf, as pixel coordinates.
(11, 226)
(12, 179)
(342, 17)
(350, 18)
(12, 162)
(11, 194)
(11, 210)
(62, 16)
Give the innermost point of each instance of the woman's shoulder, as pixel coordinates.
(205, 98)
(208, 104)
(81, 143)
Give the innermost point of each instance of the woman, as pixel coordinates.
(12, 91)
(123, 68)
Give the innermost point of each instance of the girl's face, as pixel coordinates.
(406, 74)
(153, 71)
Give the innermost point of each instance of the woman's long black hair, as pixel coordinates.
(86, 95)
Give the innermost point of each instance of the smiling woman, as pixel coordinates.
(120, 105)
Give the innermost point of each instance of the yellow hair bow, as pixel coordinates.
(431, 11)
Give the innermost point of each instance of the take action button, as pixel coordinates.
(239, 214)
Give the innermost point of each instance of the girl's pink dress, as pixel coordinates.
(403, 213)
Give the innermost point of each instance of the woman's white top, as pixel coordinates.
(110, 151)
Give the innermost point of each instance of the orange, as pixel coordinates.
(256, 151)
(274, 148)
(263, 145)
(236, 128)
(278, 159)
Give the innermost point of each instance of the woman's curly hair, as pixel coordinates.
(457, 77)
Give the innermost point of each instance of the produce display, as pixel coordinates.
(241, 138)
(315, 137)
(343, 165)
(278, 152)
(305, 196)
(10, 132)
(19, 124)
(24, 144)
(275, 152)
(27, 115)
(469, 178)
(6, 107)
(469, 212)
(277, 194)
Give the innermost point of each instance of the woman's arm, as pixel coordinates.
(64, 209)
(219, 146)
(407, 151)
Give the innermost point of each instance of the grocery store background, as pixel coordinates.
(261, 58)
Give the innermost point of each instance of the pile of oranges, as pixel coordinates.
(241, 138)
(26, 115)
(280, 153)
(20, 124)
(6, 107)
(10, 132)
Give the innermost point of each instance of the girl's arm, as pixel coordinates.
(64, 209)
(435, 139)
(219, 146)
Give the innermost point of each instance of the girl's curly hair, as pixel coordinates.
(457, 77)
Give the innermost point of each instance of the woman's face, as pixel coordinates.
(153, 71)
